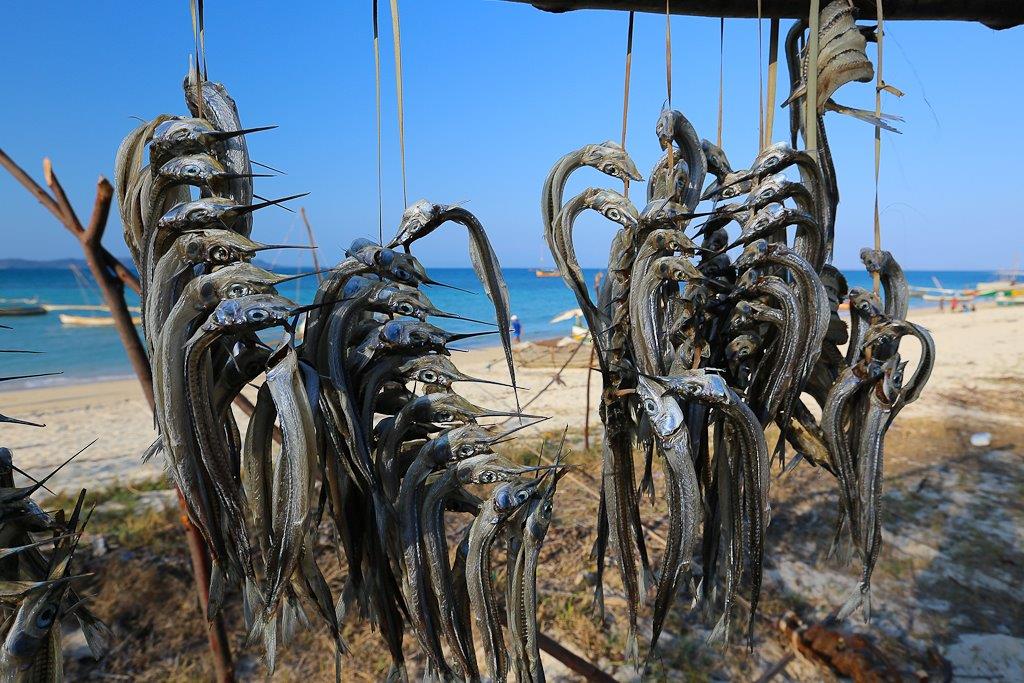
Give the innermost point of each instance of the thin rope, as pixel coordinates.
(773, 71)
(376, 66)
(811, 98)
(195, 9)
(397, 33)
(668, 75)
(879, 87)
(668, 51)
(721, 76)
(202, 40)
(625, 94)
(760, 79)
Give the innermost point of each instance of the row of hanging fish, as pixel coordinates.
(372, 434)
(705, 339)
(37, 581)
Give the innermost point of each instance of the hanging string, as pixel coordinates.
(625, 94)
(879, 87)
(811, 97)
(195, 8)
(721, 76)
(760, 80)
(376, 67)
(773, 72)
(668, 75)
(397, 33)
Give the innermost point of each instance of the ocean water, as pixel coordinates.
(85, 354)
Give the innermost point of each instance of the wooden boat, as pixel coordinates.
(20, 307)
(547, 272)
(91, 320)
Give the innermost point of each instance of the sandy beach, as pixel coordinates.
(980, 358)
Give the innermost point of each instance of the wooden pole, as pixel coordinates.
(312, 244)
(997, 14)
(111, 277)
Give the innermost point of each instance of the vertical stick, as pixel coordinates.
(879, 86)
(312, 243)
(397, 35)
(773, 71)
(625, 94)
(811, 99)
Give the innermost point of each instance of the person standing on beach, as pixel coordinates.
(517, 329)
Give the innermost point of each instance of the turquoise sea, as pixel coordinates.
(86, 354)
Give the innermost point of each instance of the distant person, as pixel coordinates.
(517, 329)
(953, 304)
(942, 304)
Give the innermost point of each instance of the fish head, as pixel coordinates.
(664, 213)
(661, 408)
(680, 177)
(177, 137)
(512, 495)
(773, 158)
(715, 240)
(400, 267)
(742, 347)
(248, 313)
(730, 186)
(358, 285)
(666, 126)
(207, 212)
(865, 302)
(431, 369)
(193, 169)
(610, 158)
(675, 268)
(401, 299)
(664, 239)
(469, 440)
(417, 220)
(753, 254)
(874, 260)
(233, 281)
(612, 206)
(412, 334)
(36, 617)
(768, 216)
(718, 163)
(489, 468)
(216, 247)
(834, 282)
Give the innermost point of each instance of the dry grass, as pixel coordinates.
(143, 585)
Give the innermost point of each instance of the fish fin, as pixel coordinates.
(855, 600)
(156, 447)
(270, 643)
(632, 652)
(720, 633)
(252, 601)
(215, 600)
(791, 465)
(98, 635)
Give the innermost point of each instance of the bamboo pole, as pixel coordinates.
(111, 277)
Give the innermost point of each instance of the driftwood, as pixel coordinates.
(111, 276)
(997, 14)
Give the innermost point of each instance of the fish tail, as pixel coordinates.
(215, 600)
(156, 447)
(720, 633)
(632, 648)
(855, 600)
(252, 601)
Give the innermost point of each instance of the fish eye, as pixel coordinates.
(402, 274)
(522, 496)
(487, 477)
(443, 417)
(191, 170)
(466, 450)
(428, 376)
(405, 308)
(237, 290)
(45, 618)
(258, 315)
(220, 254)
(613, 214)
(192, 249)
(651, 406)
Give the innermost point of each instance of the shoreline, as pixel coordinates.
(974, 387)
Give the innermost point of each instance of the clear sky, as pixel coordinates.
(495, 93)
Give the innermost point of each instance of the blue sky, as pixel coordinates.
(495, 93)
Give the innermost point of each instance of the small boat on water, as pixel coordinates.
(547, 272)
(21, 307)
(91, 320)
